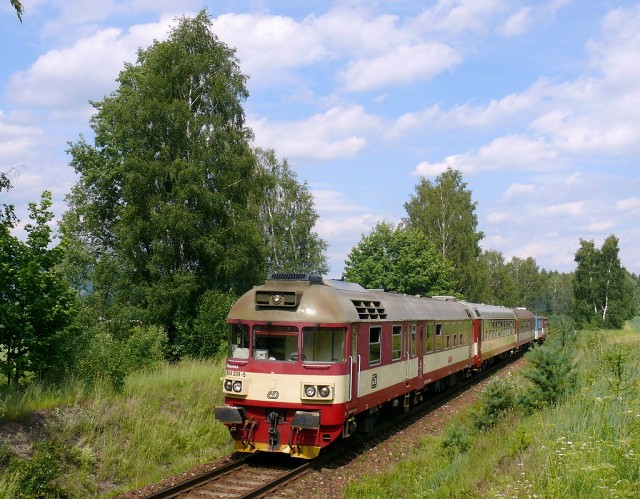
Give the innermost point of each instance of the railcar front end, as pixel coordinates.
(287, 378)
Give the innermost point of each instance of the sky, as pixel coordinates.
(537, 103)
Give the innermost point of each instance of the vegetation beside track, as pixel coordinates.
(586, 443)
(77, 442)
(81, 442)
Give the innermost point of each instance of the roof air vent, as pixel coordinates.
(369, 309)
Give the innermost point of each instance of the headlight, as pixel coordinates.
(237, 386)
(310, 390)
(324, 391)
(228, 384)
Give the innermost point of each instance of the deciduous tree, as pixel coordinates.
(37, 306)
(602, 288)
(16, 4)
(288, 217)
(527, 281)
(401, 260)
(444, 211)
(502, 289)
(162, 204)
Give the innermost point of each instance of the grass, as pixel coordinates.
(107, 443)
(102, 443)
(587, 445)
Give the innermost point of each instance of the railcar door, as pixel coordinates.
(419, 343)
(355, 365)
(409, 346)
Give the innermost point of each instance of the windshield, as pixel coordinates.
(275, 342)
(323, 344)
(239, 341)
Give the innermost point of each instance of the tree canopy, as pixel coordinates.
(288, 217)
(162, 204)
(604, 292)
(16, 4)
(173, 206)
(401, 260)
(444, 211)
(37, 307)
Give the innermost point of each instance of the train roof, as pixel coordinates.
(523, 313)
(312, 299)
(491, 311)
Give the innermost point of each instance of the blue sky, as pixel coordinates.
(536, 102)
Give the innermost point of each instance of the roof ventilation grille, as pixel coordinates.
(369, 309)
(294, 276)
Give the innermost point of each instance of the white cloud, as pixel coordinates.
(456, 16)
(600, 226)
(518, 23)
(332, 200)
(402, 65)
(340, 132)
(86, 70)
(267, 44)
(562, 210)
(629, 204)
(495, 217)
(503, 153)
(518, 191)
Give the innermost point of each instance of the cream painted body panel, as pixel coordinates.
(287, 388)
(380, 377)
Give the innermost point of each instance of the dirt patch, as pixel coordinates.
(21, 436)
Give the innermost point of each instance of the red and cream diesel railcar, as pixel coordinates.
(311, 360)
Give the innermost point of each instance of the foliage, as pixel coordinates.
(501, 286)
(401, 260)
(145, 347)
(288, 216)
(498, 398)
(557, 295)
(36, 476)
(585, 445)
(16, 4)
(444, 212)
(162, 209)
(527, 281)
(37, 306)
(207, 336)
(457, 438)
(604, 293)
(99, 443)
(551, 373)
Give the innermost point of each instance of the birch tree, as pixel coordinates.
(444, 211)
(163, 200)
(602, 288)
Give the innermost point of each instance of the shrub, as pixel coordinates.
(498, 398)
(550, 373)
(103, 360)
(206, 336)
(457, 439)
(145, 347)
(35, 477)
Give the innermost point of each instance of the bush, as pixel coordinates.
(497, 399)
(104, 360)
(145, 347)
(35, 476)
(206, 336)
(550, 373)
(457, 439)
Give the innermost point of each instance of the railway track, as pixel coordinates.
(251, 476)
(260, 475)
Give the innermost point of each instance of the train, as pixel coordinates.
(313, 360)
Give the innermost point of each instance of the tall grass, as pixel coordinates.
(160, 424)
(585, 445)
